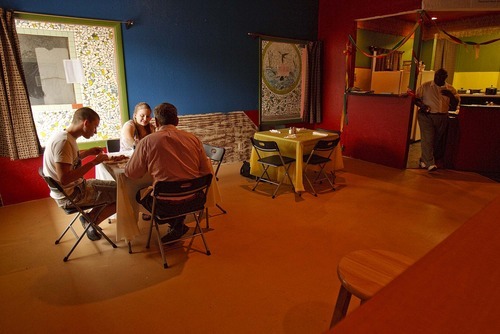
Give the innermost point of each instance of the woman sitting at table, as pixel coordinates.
(137, 128)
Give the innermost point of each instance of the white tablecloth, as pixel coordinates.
(127, 208)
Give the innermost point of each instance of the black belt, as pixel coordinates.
(433, 113)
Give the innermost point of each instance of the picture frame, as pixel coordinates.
(281, 81)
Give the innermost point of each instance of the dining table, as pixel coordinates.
(128, 210)
(295, 146)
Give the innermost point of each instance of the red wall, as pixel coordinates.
(20, 182)
(336, 23)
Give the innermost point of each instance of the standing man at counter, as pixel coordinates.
(434, 98)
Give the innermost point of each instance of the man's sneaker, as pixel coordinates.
(175, 234)
(422, 165)
(432, 168)
(92, 234)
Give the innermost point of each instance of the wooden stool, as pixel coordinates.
(363, 273)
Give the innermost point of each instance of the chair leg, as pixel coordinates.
(282, 179)
(321, 173)
(70, 226)
(207, 215)
(259, 178)
(90, 223)
(341, 306)
(311, 185)
(325, 176)
(279, 184)
(66, 258)
(160, 244)
(99, 229)
(197, 226)
(150, 232)
(221, 209)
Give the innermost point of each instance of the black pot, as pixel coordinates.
(490, 91)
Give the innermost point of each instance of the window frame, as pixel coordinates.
(119, 59)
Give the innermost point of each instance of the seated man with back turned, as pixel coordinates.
(169, 154)
(62, 162)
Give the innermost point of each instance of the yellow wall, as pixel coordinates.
(476, 80)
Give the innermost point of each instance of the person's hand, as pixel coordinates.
(94, 151)
(100, 158)
(446, 92)
(424, 108)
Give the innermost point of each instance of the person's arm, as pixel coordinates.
(452, 94)
(418, 101)
(90, 151)
(127, 135)
(66, 174)
(137, 165)
(420, 104)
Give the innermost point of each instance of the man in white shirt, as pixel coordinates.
(434, 98)
(62, 162)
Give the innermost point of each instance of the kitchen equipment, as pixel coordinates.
(490, 91)
(475, 91)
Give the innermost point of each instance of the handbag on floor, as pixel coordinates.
(245, 170)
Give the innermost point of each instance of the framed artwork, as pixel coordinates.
(280, 97)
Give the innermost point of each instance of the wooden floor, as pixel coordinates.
(273, 262)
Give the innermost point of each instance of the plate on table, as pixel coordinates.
(117, 160)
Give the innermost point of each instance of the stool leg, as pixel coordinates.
(341, 306)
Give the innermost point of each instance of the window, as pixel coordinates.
(70, 63)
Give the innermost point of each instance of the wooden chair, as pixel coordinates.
(363, 273)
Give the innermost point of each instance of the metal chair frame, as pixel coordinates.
(216, 155)
(275, 160)
(80, 211)
(321, 161)
(179, 198)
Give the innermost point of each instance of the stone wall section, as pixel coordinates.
(229, 130)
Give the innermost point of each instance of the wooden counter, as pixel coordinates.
(473, 142)
(479, 98)
(455, 288)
